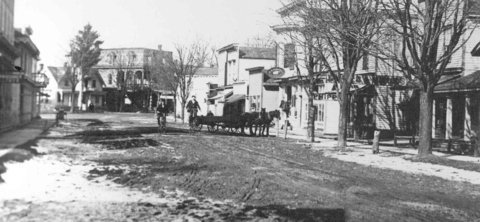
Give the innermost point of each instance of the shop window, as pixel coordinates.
(320, 113)
(110, 79)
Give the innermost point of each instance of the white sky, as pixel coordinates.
(143, 23)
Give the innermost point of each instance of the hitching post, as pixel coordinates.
(277, 123)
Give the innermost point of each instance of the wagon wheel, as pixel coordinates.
(212, 128)
(223, 128)
(195, 125)
(235, 129)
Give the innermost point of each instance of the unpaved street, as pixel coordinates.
(118, 168)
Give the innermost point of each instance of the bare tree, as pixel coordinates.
(430, 32)
(261, 41)
(339, 32)
(179, 72)
(301, 55)
(163, 79)
(123, 63)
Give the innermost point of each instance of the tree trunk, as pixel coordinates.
(80, 93)
(426, 112)
(311, 120)
(183, 111)
(343, 117)
(72, 98)
(175, 107)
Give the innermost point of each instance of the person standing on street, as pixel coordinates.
(160, 111)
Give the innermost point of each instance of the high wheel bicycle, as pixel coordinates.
(162, 126)
(194, 124)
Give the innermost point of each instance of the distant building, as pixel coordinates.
(129, 67)
(59, 90)
(234, 78)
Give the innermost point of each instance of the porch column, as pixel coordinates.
(449, 120)
(434, 123)
(467, 131)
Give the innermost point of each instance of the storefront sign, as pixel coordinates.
(9, 78)
(276, 72)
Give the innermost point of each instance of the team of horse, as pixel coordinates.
(257, 122)
(260, 121)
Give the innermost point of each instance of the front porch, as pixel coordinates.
(456, 110)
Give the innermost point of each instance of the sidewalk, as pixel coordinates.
(385, 146)
(19, 136)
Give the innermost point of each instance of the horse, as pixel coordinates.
(247, 121)
(265, 121)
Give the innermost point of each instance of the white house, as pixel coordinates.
(202, 80)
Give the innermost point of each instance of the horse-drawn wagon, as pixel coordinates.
(237, 123)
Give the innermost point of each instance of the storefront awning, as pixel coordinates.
(235, 98)
(221, 95)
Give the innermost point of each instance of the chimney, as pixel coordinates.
(160, 47)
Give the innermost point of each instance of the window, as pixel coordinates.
(86, 84)
(289, 55)
(59, 97)
(110, 79)
(97, 99)
(320, 113)
(112, 57)
(66, 82)
(94, 83)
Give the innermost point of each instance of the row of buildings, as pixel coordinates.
(118, 67)
(21, 77)
(248, 79)
(253, 78)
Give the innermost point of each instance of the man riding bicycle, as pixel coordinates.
(192, 108)
(161, 111)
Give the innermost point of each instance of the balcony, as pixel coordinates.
(40, 79)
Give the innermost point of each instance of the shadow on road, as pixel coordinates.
(297, 214)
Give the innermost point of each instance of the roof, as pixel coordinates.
(475, 10)
(25, 39)
(57, 72)
(465, 83)
(207, 71)
(235, 98)
(257, 53)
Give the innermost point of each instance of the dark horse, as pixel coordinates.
(264, 121)
(247, 120)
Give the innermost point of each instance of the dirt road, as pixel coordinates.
(268, 179)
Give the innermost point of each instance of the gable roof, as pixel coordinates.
(57, 72)
(257, 53)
